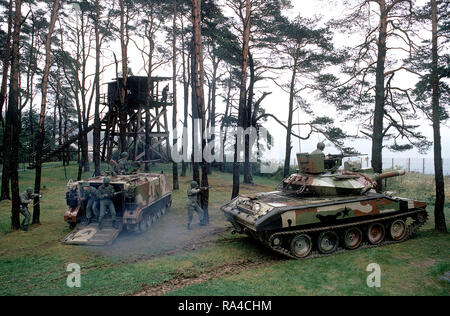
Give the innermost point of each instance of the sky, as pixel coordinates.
(277, 102)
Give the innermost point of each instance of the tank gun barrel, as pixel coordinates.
(392, 174)
(347, 155)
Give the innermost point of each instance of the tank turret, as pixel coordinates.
(319, 175)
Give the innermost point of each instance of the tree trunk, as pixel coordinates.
(213, 108)
(6, 61)
(186, 76)
(226, 115)
(176, 185)
(123, 107)
(248, 177)
(199, 93)
(242, 99)
(41, 127)
(6, 131)
(377, 137)
(287, 160)
(195, 116)
(13, 118)
(96, 145)
(439, 216)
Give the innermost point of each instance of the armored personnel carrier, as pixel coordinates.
(140, 201)
(322, 210)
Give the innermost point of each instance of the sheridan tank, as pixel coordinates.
(321, 210)
(140, 201)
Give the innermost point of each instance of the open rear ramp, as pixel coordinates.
(91, 236)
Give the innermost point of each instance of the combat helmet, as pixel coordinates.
(124, 155)
(106, 180)
(85, 184)
(194, 184)
(30, 190)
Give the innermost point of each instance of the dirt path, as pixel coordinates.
(204, 240)
(182, 281)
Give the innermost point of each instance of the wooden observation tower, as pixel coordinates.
(147, 129)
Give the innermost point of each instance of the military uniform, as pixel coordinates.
(91, 195)
(107, 192)
(122, 165)
(193, 205)
(165, 94)
(319, 150)
(25, 199)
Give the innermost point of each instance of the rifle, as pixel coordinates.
(35, 195)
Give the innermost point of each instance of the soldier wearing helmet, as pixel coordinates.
(89, 195)
(25, 199)
(124, 165)
(318, 159)
(106, 202)
(319, 150)
(193, 205)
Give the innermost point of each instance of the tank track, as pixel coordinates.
(411, 230)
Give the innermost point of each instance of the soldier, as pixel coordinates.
(318, 158)
(193, 205)
(90, 195)
(165, 94)
(106, 202)
(113, 168)
(124, 165)
(319, 150)
(25, 199)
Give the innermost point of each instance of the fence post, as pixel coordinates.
(392, 163)
(409, 164)
(423, 165)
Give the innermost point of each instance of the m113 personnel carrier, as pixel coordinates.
(322, 210)
(140, 200)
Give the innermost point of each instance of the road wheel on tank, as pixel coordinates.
(328, 242)
(376, 233)
(398, 230)
(353, 237)
(422, 217)
(143, 224)
(301, 246)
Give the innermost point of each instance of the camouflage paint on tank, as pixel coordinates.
(343, 183)
(147, 189)
(335, 212)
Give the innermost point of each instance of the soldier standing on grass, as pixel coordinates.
(193, 206)
(106, 202)
(25, 199)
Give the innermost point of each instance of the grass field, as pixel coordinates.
(170, 260)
